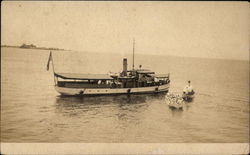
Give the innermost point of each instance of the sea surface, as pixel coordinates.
(32, 111)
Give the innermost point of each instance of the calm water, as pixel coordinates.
(32, 111)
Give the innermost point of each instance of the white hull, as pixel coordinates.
(111, 91)
(174, 104)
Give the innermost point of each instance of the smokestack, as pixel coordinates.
(125, 65)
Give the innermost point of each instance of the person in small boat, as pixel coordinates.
(179, 101)
(188, 88)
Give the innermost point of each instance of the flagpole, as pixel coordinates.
(53, 68)
(52, 62)
(133, 53)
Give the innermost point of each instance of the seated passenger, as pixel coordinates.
(156, 79)
(99, 82)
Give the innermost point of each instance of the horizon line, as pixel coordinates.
(140, 53)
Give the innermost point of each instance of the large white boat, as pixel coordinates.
(134, 81)
(87, 84)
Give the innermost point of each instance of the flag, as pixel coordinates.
(50, 59)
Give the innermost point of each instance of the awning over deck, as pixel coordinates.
(83, 76)
(126, 77)
(162, 75)
(145, 72)
(142, 71)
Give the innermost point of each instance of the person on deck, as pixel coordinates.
(99, 82)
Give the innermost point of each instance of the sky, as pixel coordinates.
(193, 29)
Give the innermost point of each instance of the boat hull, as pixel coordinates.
(187, 97)
(173, 103)
(172, 106)
(110, 91)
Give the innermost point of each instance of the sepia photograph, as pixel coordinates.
(151, 77)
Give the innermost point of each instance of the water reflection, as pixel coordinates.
(119, 99)
(176, 112)
(128, 103)
(121, 112)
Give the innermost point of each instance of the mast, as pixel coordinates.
(133, 54)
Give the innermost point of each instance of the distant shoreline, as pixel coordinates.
(43, 48)
(33, 47)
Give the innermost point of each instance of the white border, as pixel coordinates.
(124, 148)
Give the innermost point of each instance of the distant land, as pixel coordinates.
(31, 46)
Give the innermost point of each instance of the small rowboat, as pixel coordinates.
(174, 101)
(188, 96)
(188, 92)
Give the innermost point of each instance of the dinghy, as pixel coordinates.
(188, 96)
(174, 101)
(188, 92)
